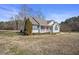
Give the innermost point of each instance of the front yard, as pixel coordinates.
(47, 44)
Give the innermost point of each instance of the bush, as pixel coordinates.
(27, 27)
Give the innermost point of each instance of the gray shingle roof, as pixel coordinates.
(33, 21)
(41, 22)
(37, 21)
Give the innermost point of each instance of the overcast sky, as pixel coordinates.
(57, 12)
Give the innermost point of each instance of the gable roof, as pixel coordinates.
(41, 21)
(33, 21)
(37, 21)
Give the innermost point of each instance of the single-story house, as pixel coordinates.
(43, 26)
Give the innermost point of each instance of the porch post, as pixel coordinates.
(39, 28)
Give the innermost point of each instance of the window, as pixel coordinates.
(35, 27)
(42, 27)
(56, 27)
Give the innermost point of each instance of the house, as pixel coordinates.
(43, 26)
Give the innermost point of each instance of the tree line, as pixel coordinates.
(70, 25)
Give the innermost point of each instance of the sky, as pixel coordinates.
(57, 12)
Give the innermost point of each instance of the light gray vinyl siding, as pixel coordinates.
(35, 27)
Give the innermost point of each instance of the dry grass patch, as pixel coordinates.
(63, 43)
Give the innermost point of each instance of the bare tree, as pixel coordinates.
(17, 21)
(24, 11)
(40, 15)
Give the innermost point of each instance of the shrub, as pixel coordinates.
(27, 27)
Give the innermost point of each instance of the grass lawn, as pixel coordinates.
(12, 43)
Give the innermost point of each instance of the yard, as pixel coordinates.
(12, 43)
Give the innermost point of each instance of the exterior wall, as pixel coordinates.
(44, 29)
(35, 29)
(39, 29)
(51, 23)
(54, 28)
